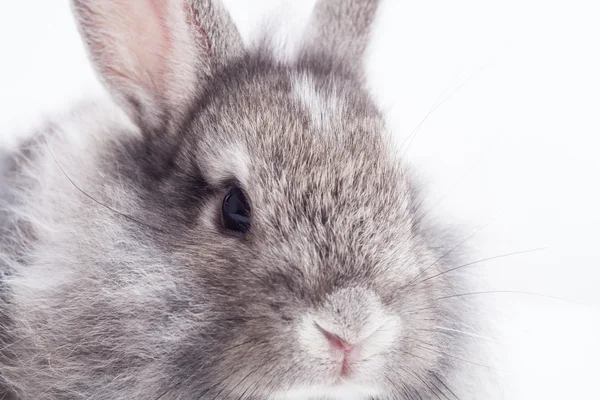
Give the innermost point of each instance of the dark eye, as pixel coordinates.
(236, 211)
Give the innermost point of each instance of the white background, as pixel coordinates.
(511, 145)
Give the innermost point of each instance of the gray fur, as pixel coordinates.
(124, 285)
(339, 32)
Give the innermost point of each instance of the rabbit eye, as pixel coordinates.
(236, 211)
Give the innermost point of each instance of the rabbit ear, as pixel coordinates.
(155, 55)
(338, 34)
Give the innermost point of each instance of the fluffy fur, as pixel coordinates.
(119, 281)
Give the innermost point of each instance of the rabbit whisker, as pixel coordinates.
(192, 368)
(401, 388)
(439, 102)
(436, 376)
(430, 347)
(479, 262)
(258, 382)
(252, 372)
(447, 253)
(97, 201)
(515, 292)
(451, 330)
(422, 380)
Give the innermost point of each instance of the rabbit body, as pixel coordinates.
(119, 279)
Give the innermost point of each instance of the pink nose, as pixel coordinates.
(335, 341)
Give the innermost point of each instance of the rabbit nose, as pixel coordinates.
(343, 353)
(335, 341)
(350, 331)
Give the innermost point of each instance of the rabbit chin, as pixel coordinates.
(341, 391)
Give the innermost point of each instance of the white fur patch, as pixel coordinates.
(323, 108)
(228, 162)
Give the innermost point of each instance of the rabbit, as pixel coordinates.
(226, 226)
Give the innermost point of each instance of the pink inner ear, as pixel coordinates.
(150, 41)
(148, 51)
(132, 42)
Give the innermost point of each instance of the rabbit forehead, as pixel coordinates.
(286, 118)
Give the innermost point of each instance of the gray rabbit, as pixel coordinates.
(231, 227)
